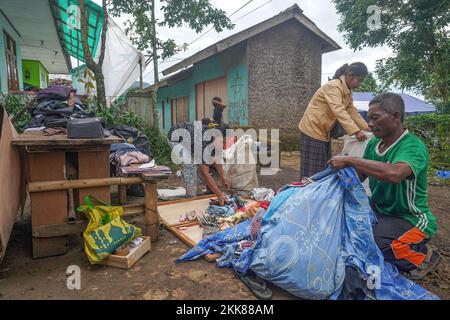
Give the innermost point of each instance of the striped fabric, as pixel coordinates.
(314, 155)
(411, 196)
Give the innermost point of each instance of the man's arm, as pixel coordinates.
(220, 104)
(387, 172)
(211, 183)
(219, 168)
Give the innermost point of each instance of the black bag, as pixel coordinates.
(337, 131)
(88, 128)
(61, 120)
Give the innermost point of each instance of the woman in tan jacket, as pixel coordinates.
(331, 105)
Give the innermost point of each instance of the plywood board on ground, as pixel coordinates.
(189, 232)
(170, 213)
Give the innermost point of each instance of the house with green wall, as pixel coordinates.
(37, 38)
(11, 66)
(35, 76)
(266, 75)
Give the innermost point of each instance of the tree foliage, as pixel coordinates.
(417, 31)
(434, 130)
(197, 14)
(369, 85)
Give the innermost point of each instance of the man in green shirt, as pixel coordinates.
(396, 162)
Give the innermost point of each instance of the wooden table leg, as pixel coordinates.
(94, 165)
(151, 210)
(48, 208)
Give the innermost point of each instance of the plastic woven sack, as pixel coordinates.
(106, 230)
(240, 165)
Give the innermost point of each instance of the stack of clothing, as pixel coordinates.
(125, 154)
(134, 150)
(52, 108)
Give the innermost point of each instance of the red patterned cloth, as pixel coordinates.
(264, 204)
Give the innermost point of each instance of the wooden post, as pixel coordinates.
(122, 194)
(151, 210)
(141, 71)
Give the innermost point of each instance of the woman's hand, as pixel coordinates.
(360, 136)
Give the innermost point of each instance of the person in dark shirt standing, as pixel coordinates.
(218, 109)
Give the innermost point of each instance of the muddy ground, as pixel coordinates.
(156, 276)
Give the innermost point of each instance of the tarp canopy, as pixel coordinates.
(121, 64)
(65, 14)
(413, 106)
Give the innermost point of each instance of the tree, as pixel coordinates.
(95, 67)
(369, 85)
(142, 28)
(418, 33)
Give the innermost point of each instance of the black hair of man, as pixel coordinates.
(217, 99)
(390, 102)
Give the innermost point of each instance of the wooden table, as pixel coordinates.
(58, 167)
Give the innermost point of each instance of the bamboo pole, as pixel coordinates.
(151, 210)
(80, 184)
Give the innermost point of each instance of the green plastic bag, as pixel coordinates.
(106, 230)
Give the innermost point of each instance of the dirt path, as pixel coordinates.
(156, 276)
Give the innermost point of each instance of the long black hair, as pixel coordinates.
(356, 68)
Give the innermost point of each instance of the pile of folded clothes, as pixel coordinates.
(124, 155)
(134, 150)
(54, 106)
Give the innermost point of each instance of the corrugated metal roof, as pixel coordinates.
(412, 104)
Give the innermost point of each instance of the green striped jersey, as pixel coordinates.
(408, 199)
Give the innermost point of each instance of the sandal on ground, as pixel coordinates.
(258, 287)
(432, 260)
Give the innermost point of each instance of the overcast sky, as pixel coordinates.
(321, 12)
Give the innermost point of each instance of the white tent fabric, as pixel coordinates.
(121, 64)
(361, 105)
